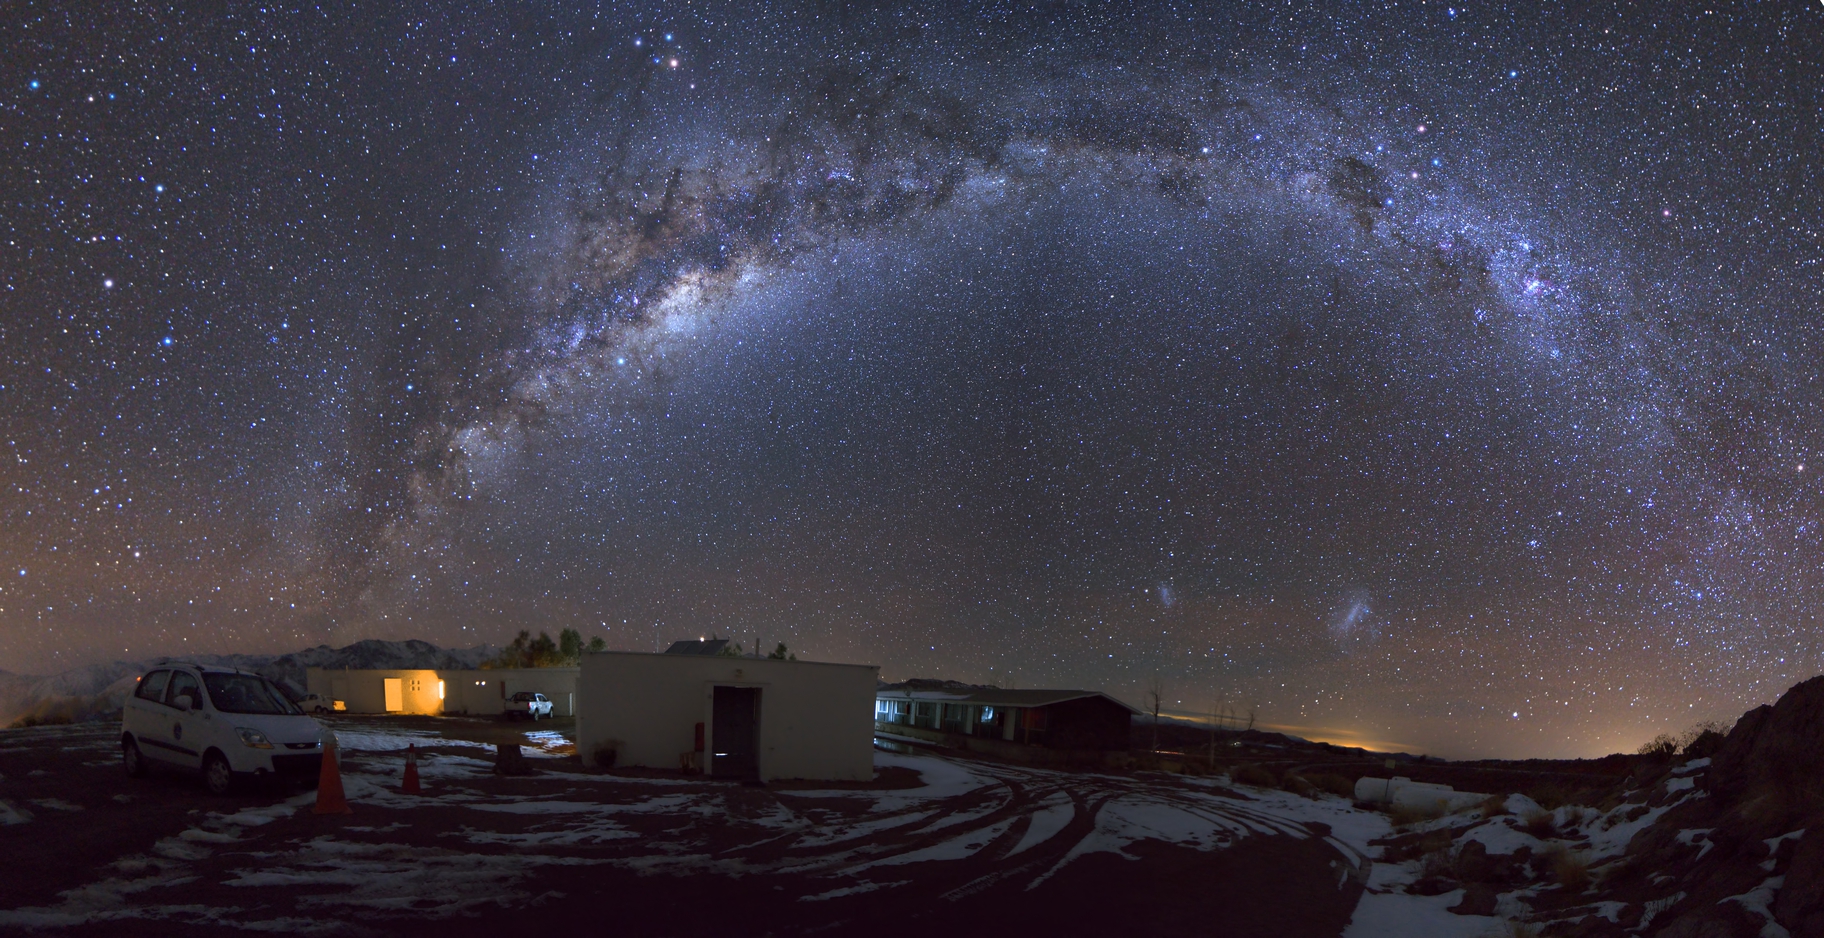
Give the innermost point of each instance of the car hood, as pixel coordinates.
(281, 728)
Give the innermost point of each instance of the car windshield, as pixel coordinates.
(246, 693)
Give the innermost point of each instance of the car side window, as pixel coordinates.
(152, 686)
(183, 683)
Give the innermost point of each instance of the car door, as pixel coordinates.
(144, 714)
(183, 737)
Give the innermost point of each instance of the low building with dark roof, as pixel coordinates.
(700, 646)
(1037, 725)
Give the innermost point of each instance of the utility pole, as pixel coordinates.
(1214, 717)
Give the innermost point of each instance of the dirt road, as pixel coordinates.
(934, 843)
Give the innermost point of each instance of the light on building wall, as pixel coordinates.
(439, 690)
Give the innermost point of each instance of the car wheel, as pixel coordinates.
(134, 760)
(534, 715)
(218, 777)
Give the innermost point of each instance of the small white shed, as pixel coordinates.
(733, 717)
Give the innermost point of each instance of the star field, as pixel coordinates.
(1430, 376)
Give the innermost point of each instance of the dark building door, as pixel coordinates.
(737, 732)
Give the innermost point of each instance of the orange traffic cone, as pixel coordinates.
(330, 799)
(410, 785)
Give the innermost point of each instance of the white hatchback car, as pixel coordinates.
(227, 723)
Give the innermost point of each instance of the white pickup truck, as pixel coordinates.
(527, 704)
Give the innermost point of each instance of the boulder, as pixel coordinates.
(1800, 904)
(1776, 752)
(1472, 864)
(1478, 899)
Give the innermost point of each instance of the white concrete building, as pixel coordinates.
(427, 691)
(735, 717)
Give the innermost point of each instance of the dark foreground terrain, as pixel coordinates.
(934, 843)
(1244, 838)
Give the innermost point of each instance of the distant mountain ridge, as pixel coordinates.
(97, 690)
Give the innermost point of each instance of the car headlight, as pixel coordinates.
(253, 738)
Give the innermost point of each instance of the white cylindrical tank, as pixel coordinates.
(1402, 792)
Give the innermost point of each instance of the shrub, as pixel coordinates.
(1402, 815)
(1494, 806)
(1704, 744)
(605, 756)
(1540, 824)
(1548, 796)
(1298, 785)
(1435, 861)
(1571, 870)
(1662, 746)
(1256, 775)
(1332, 783)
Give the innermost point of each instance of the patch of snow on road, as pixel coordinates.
(548, 744)
(942, 778)
(1129, 818)
(544, 807)
(256, 817)
(1053, 813)
(397, 741)
(956, 848)
(594, 831)
(10, 815)
(401, 877)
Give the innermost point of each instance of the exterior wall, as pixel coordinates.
(474, 692)
(1021, 753)
(483, 692)
(365, 691)
(1085, 723)
(815, 719)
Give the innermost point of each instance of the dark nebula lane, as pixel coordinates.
(1431, 377)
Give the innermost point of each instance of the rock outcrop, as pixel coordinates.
(1739, 849)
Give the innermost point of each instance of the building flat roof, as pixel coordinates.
(742, 661)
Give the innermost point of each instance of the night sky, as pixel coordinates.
(1436, 377)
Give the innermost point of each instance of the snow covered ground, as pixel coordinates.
(977, 835)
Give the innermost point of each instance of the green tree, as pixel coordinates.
(512, 656)
(778, 654)
(524, 651)
(543, 653)
(730, 650)
(570, 645)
